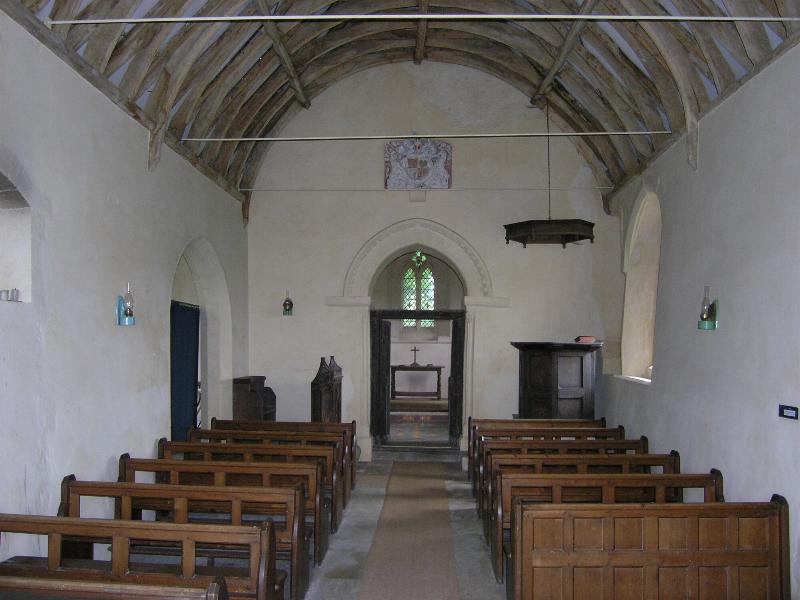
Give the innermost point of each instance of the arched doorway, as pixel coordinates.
(415, 354)
(200, 282)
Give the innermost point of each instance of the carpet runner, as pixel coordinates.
(411, 557)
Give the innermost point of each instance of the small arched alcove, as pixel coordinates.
(641, 264)
(200, 296)
(15, 233)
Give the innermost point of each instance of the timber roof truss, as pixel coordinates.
(246, 79)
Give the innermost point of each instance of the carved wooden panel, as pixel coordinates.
(616, 552)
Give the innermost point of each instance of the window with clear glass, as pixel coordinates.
(419, 290)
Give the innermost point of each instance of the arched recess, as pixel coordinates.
(640, 264)
(216, 346)
(413, 234)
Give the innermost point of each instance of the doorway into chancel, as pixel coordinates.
(417, 337)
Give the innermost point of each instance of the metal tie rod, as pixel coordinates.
(428, 17)
(423, 136)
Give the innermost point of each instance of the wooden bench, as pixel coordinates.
(204, 504)
(475, 426)
(545, 433)
(322, 455)
(573, 463)
(611, 551)
(523, 447)
(120, 577)
(348, 430)
(601, 488)
(261, 474)
(334, 440)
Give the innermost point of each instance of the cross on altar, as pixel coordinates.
(415, 350)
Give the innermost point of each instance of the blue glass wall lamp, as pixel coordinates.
(125, 316)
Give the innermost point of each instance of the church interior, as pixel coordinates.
(197, 195)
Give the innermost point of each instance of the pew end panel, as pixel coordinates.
(715, 550)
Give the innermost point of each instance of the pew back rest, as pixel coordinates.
(488, 448)
(543, 433)
(181, 500)
(257, 580)
(577, 464)
(251, 453)
(602, 488)
(476, 426)
(226, 473)
(680, 550)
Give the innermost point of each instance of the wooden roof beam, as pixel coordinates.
(422, 34)
(573, 37)
(271, 29)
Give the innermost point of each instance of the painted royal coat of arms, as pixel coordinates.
(418, 164)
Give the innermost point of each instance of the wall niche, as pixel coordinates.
(15, 254)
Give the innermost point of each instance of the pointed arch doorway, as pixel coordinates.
(380, 369)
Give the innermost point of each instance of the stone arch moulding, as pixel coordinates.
(644, 197)
(385, 245)
(215, 313)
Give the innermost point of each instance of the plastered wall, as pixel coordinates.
(732, 225)
(306, 240)
(76, 390)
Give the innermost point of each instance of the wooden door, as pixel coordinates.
(184, 348)
(380, 360)
(575, 377)
(455, 384)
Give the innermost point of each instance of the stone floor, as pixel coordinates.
(419, 427)
(338, 576)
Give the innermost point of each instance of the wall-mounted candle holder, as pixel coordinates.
(125, 316)
(709, 312)
(288, 305)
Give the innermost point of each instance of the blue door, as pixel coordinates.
(184, 348)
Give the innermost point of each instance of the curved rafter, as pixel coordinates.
(249, 79)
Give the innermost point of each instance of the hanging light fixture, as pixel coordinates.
(549, 231)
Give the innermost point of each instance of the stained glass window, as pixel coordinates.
(419, 290)
(409, 295)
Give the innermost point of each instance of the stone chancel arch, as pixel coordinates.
(391, 241)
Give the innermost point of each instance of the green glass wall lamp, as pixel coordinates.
(709, 312)
(549, 231)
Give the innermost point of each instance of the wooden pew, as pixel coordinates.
(490, 447)
(182, 503)
(573, 463)
(55, 574)
(266, 474)
(348, 430)
(544, 433)
(322, 455)
(604, 488)
(651, 551)
(475, 426)
(302, 438)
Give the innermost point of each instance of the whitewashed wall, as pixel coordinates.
(732, 224)
(305, 241)
(76, 390)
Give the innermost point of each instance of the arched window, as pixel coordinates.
(419, 289)
(642, 250)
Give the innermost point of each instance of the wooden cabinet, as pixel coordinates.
(557, 381)
(251, 400)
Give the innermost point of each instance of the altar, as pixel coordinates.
(418, 368)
